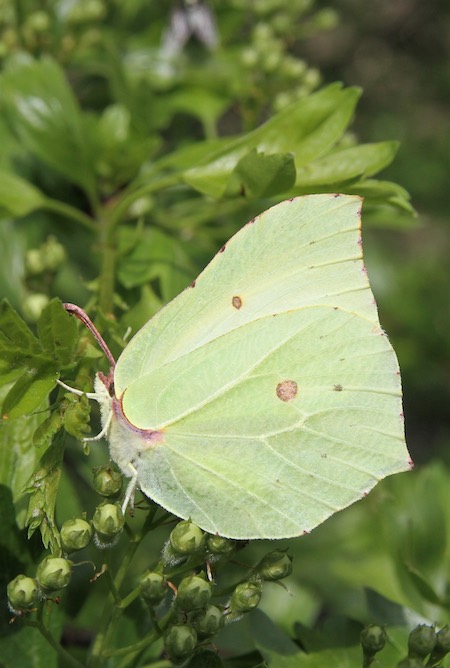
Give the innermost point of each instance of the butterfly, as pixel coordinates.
(266, 396)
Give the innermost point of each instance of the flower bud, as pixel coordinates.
(442, 647)
(75, 534)
(54, 573)
(220, 546)
(373, 639)
(193, 593)
(54, 254)
(207, 622)
(275, 566)
(180, 642)
(421, 641)
(245, 597)
(108, 521)
(34, 262)
(33, 305)
(23, 593)
(153, 587)
(187, 538)
(107, 481)
(443, 639)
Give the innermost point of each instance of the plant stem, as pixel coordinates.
(71, 212)
(130, 196)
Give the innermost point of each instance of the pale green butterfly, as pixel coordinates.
(265, 397)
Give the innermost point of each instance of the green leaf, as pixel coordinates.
(46, 117)
(18, 454)
(205, 658)
(424, 587)
(58, 333)
(383, 192)
(17, 196)
(28, 392)
(277, 649)
(15, 330)
(345, 164)
(155, 256)
(43, 488)
(260, 175)
(26, 647)
(308, 128)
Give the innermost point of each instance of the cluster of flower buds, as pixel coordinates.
(196, 618)
(424, 645)
(41, 264)
(54, 572)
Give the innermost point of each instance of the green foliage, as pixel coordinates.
(127, 160)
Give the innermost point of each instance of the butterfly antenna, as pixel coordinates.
(78, 312)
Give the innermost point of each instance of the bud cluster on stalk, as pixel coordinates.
(426, 646)
(199, 608)
(54, 571)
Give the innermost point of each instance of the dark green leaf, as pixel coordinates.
(17, 196)
(43, 488)
(27, 648)
(278, 650)
(424, 587)
(58, 333)
(260, 175)
(205, 658)
(46, 118)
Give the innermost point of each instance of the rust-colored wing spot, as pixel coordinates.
(287, 390)
(237, 302)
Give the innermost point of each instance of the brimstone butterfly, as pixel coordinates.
(265, 397)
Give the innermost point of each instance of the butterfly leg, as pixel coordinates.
(131, 488)
(90, 395)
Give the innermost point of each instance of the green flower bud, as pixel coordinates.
(373, 639)
(193, 593)
(207, 622)
(23, 593)
(75, 534)
(107, 481)
(245, 597)
(442, 647)
(33, 305)
(77, 416)
(187, 538)
(34, 262)
(410, 663)
(54, 254)
(421, 641)
(220, 546)
(180, 642)
(54, 573)
(108, 521)
(275, 566)
(153, 587)
(443, 639)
